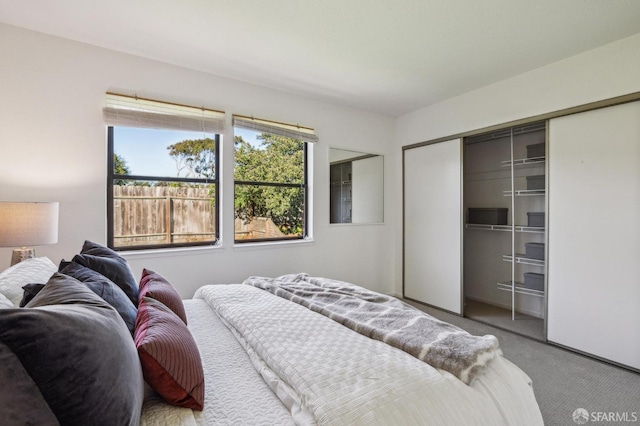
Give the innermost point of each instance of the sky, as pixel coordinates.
(145, 150)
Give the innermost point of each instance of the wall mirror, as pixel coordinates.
(357, 187)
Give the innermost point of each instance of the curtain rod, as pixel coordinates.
(136, 97)
(274, 122)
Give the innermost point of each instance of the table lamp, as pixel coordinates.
(27, 224)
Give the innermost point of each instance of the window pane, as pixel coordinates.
(263, 157)
(163, 153)
(268, 212)
(161, 213)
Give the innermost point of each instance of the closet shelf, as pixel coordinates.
(521, 258)
(523, 161)
(507, 228)
(524, 192)
(484, 227)
(520, 289)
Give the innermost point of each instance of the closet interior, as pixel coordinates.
(340, 200)
(505, 202)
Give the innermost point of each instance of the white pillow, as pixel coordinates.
(4, 302)
(37, 271)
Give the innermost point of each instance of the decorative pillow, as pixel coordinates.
(69, 354)
(36, 270)
(5, 303)
(30, 291)
(21, 402)
(105, 288)
(157, 287)
(169, 356)
(110, 264)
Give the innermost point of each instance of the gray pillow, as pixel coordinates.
(30, 291)
(105, 288)
(73, 357)
(110, 264)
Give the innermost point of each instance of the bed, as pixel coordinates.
(276, 351)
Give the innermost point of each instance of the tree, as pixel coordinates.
(195, 155)
(120, 165)
(278, 160)
(120, 168)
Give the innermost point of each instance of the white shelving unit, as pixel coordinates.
(506, 228)
(535, 161)
(489, 177)
(523, 259)
(525, 192)
(520, 289)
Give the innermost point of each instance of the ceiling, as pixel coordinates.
(386, 56)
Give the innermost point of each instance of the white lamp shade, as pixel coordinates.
(28, 224)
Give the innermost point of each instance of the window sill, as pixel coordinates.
(357, 224)
(265, 244)
(173, 251)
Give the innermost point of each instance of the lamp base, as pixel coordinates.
(22, 254)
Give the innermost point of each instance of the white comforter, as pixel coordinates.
(327, 374)
(235, 393)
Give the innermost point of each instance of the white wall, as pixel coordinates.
(609, 71)
(53, 148)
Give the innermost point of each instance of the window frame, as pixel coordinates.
(304, 186)
(112, 176)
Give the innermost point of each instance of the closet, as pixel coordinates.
(533, 227)
(474, 223)
(433, 225)
(594, 233)
(504, 200)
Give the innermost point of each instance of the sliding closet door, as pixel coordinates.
(594, 233)
(432, 224)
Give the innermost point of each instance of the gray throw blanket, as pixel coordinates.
(388, 319)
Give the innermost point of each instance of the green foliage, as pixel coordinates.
(120, 168)
(197, 156)
(120, 165)
(277, 160)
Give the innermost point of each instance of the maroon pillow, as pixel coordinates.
(170, 360)
(157, 287)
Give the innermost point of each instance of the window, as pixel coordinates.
(163, 179)
(271, 194)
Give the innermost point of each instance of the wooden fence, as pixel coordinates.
(259, 227)
(163, 214)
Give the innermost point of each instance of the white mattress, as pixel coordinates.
(235, 394)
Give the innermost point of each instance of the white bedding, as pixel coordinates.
(331, 375)
(326, 373)
(235, 394)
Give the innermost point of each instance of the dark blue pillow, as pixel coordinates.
(30, 291)
(110, 264)
(105, 288)
(69, 358)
